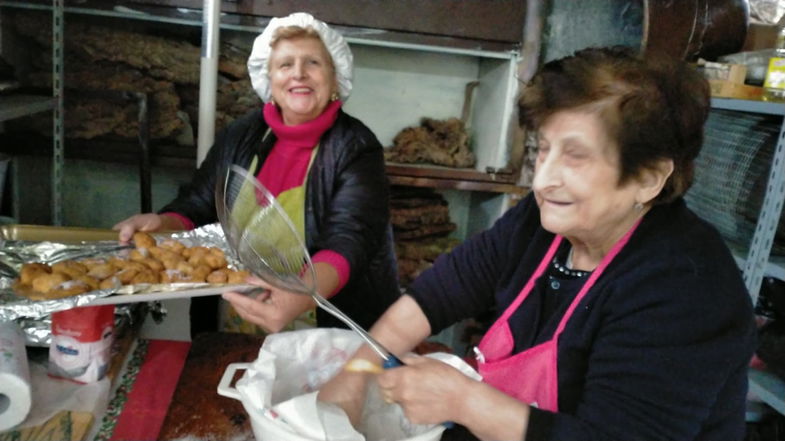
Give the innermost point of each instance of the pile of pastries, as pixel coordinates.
(150, 262)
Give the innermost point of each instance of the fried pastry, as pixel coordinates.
(218, 276)
(173, 245)
(143, 240)
(238, 276)
(110, 283)
(146, 276)
(46, 282)
(30, 271)
(126, 275)
(67, 289)
(90, 281)
(139, 254)
(70, 268)
(102, 271)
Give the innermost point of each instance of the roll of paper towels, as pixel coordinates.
(14, 376)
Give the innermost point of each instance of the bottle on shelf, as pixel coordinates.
(774, 85)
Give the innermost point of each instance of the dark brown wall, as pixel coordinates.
(497, 20)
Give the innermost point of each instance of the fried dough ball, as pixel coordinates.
(200, 272)
(173, 276)
(195, 252)
(139, 254)
(238, 276)
(215, 261)
(90, 281)
(218, 276)
(173, 245)
(30, 271)
(184, 267)
(172, 262)
(143, 240)
(67, 289)
(91, 262)
(102, 271)
(146, 276)
(44, 283)
(153, 264)
(126, 275)
(110, 283)
(118, 263)
(70, 268)
(136, 266)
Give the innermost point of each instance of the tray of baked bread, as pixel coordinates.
(46, 269)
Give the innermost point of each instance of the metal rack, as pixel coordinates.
(16, 106)
(759, 262)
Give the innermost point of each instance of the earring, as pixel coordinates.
(334, 96)
(638, 206)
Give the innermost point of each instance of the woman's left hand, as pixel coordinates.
(273, 309)
(428, 390)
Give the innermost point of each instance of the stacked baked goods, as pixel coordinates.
(150, 262)
(421, 225)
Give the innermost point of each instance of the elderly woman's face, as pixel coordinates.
(576, 180)
(302, 78)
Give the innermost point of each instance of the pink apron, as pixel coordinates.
(531, 376)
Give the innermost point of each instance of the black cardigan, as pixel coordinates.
(346, 207)
(657, 350)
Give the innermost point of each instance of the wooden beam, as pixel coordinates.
(496, 20)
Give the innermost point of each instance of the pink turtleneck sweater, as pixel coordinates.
(286, 167)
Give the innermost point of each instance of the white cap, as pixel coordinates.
(333, 41)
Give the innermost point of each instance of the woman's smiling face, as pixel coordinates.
(302, 78)
(576, 180)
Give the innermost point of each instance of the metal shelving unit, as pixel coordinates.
(759, 262)
(16, 106)
(496, 64)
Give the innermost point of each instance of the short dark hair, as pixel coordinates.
(654, 107)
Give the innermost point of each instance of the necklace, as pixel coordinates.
(566, 268)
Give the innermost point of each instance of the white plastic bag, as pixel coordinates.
(279, 390)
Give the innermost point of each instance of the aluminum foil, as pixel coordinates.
(34, 316)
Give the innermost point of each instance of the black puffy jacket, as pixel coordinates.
(347, 205)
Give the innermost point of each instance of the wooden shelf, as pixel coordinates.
(418, 175)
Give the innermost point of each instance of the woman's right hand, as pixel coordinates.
(138, 222)
(347, 390)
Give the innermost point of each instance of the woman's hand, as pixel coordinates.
(145, 222)
(428, 390)
(271, 310)
(347, 390)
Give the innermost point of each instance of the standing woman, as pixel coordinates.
(324, 166)
(620, 314)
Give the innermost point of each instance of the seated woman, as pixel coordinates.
(620, 314)
(324, 166)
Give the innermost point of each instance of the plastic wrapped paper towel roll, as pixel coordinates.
(14, 376)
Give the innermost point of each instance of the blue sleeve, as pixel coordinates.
(463, 283)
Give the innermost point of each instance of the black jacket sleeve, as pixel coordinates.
(348, 194)
(462, 283)
(233, 145)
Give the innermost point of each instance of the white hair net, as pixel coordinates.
(258, 62)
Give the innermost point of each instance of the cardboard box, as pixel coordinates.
(733, 73)
(727, 89)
